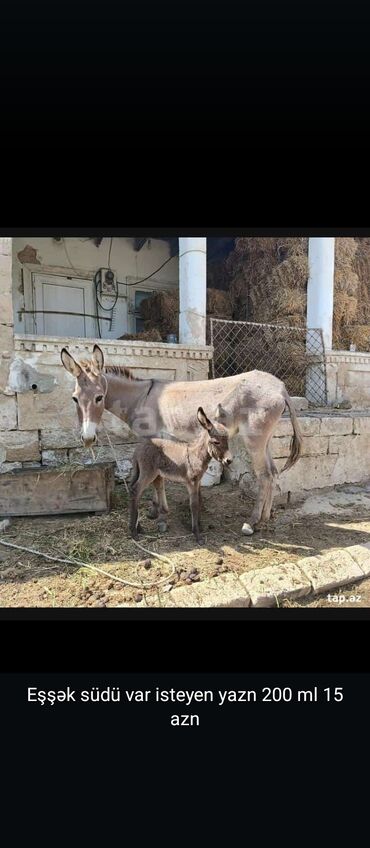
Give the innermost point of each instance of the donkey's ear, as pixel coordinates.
(69, 363)
(203, 420)
(220, 412)
(98, 358)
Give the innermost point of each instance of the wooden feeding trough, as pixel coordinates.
(54, 491)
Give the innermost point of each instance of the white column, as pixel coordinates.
(320, 290)
(193, 290)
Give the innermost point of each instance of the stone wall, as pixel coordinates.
(336, 450)
(40, 426)
(348, 378)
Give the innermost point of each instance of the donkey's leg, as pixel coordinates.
(262, 468)
(267, 506)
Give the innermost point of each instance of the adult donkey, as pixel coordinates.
(250, 403)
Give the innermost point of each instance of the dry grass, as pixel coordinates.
(161, 310)
(268, 283)
(152, 335)
(30, 581)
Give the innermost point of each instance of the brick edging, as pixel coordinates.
(266, 587)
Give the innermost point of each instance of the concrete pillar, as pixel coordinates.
(6, 312)
(320, 290)
(193, 290)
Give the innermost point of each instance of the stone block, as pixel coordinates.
(333, 569)
(223, 591)
(309, 426)
(315, 445)
(335, 425)
(300, 403)
(343, 444)
(283, 428)
(9, 466)
(21, 445)
(267, 586)
(241, 464)
(361, 424)
(47, 411)
(280, 447)
(8, 413)
(54, 458)
(185, 596)
(361, 555)
(310, 472)
(58, 439)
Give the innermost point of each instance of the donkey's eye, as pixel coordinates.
(215, 442)
(75, 399)
(98, 398)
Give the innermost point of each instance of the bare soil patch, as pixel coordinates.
(27, 580)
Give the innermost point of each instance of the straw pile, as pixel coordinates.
(268, 284)
(268, 279)
(160, 311)
(146, 336)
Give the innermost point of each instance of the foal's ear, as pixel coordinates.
(69, 363)
(203, 420)
(98, 358)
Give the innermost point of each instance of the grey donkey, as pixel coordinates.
(157, 460)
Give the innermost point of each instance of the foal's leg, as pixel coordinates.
(193, 490)
(136, 490)
(153, 510)
(162, 503)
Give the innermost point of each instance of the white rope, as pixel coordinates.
(115, 456)
(82, 564)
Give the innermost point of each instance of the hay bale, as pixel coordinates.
(345, 309)
(218, 303)
(152, 335)
(357, 334)
(160, 311)
(268, 282)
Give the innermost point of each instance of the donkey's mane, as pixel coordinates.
(120, 370)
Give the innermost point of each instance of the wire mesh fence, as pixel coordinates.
(294, 354)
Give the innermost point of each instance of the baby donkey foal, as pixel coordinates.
(157, 460)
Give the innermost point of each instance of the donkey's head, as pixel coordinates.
(89, 392)
(218, 442)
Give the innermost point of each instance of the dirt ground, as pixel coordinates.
(27, 580)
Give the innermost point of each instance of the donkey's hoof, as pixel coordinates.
(247, 530)
(162, 526)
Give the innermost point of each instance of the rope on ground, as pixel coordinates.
(82, 564)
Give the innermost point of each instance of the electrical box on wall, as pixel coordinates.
(108, 281)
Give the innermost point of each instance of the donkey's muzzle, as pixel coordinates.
(88, 441)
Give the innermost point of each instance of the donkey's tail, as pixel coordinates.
(296, 444)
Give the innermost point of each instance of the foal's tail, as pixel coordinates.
(135, 471)
(296, 445)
